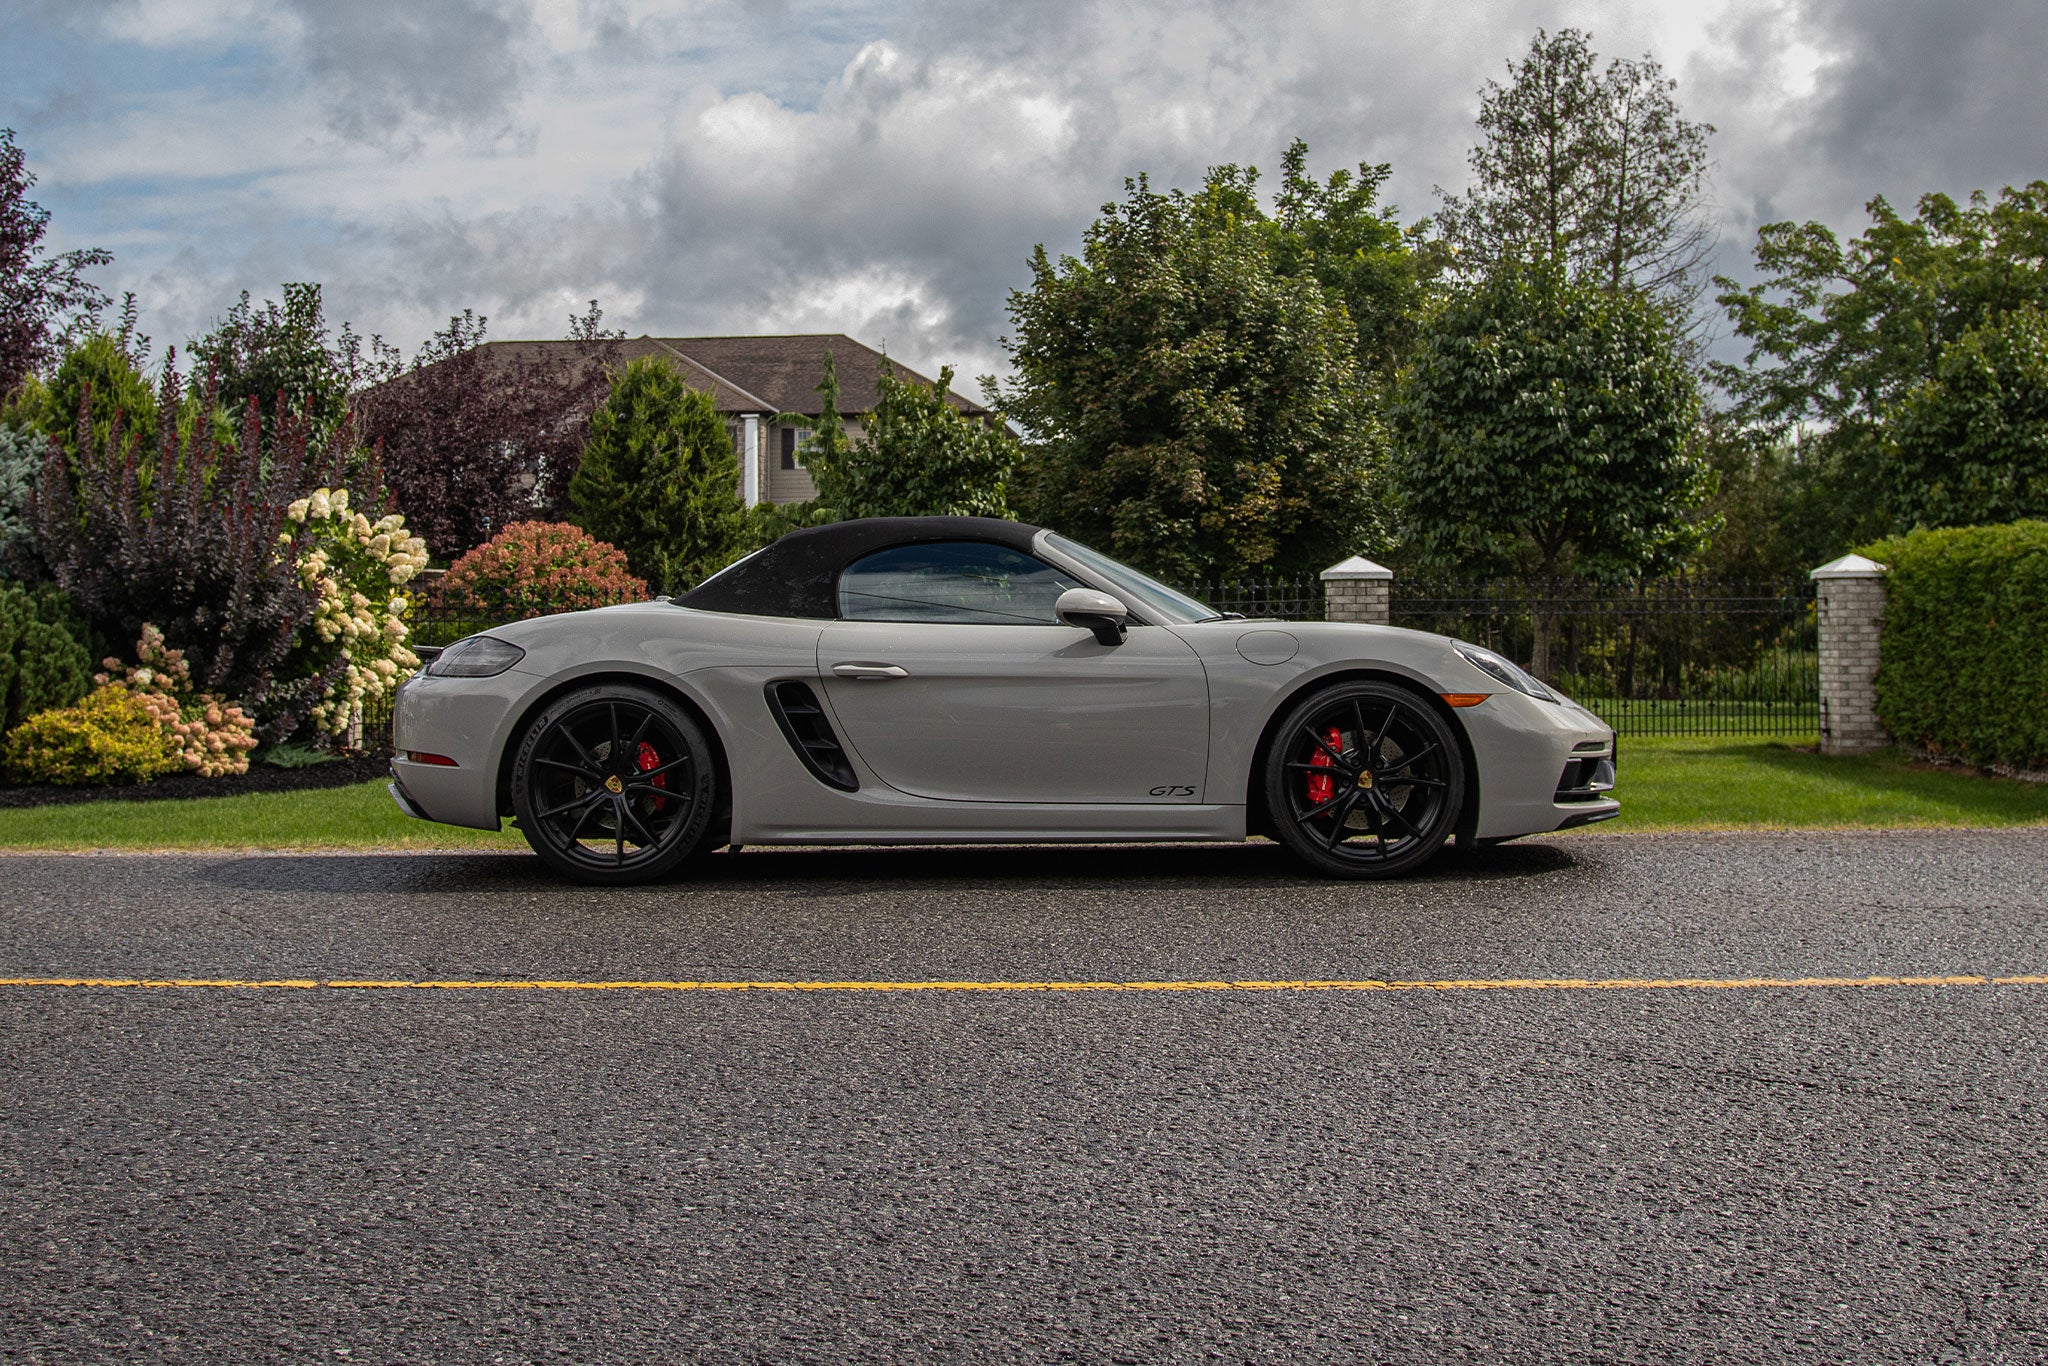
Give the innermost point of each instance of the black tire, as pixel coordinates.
(1382, 799)
(614, 784)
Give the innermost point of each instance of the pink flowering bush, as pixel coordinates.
(531, 569)
(206, 735)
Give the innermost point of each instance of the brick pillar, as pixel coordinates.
(1358, 590)
(1850, 593)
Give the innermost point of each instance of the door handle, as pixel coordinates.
(870, 671)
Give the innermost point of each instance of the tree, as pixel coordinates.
(659, 479)
(45, 301)
(1337, 233)
(1593, 169)
(1970, 446)
(1840, 334)
(474, 440)
(99, 381)
(1546, 427)
(278, 354)
(917, 455)
(1190, 408)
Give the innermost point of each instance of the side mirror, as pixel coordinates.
(1098, 612)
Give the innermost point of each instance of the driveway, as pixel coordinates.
(1628, 1099)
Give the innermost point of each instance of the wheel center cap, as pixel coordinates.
(1365, 779)
(613, 785)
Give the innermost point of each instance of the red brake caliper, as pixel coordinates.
(1320, 786)
(649, 760)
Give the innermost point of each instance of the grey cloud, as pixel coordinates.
(1949, 92)
(395, 70)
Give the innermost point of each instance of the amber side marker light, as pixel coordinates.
(443, 761)
(1464, 699)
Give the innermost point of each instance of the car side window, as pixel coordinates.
(957, 581)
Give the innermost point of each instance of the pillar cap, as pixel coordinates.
(1357, 567)
(1851, 567)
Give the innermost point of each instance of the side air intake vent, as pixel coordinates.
(810, 734)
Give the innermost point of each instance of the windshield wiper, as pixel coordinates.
(1224, 616)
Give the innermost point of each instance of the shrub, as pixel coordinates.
(356, 567)
(110, 737)
(203, 547)
(531, 569)
(21, 462)
(44, 663)
(1964, 650)
(209, 736)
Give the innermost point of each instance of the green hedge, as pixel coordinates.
(1964, 668)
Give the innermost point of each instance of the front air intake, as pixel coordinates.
(810, 734)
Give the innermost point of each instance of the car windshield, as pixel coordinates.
(1174, 608)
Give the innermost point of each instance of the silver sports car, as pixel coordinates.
(927, 680)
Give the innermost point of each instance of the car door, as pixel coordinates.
(951, 676)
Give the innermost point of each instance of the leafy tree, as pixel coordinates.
(1337, 233)
(1970, 446)
(474, 440)
(659, 479)
(1546, 426)
(917, 455)
(278, 354)
(1841, 333)
(45, 301)
(1592, 168)
(1190, 408)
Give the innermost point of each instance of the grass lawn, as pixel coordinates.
(1667, 783)
(1732, 782)
(359, 817)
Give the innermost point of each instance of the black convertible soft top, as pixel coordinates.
(798, 576)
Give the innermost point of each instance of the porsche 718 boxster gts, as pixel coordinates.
(929, 680)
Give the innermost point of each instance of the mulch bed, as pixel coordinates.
(340, 772)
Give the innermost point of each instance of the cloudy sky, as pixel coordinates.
(880, 167)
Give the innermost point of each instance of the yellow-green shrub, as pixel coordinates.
(110, 737)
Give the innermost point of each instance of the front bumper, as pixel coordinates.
(1539, 765)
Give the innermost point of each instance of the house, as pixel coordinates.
(754, 381)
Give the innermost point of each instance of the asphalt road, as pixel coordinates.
(1840, 1174)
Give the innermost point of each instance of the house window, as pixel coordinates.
(794, 439)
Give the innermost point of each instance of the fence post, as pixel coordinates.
(1358, 590)
(1850, 597)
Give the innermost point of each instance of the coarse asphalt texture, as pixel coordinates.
(1816, 1174)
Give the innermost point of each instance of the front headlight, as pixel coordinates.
(476, 657)
(1504, 669)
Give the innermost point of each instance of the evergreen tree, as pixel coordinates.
(659, 479)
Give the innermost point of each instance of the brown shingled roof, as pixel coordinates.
(786, 370)
(749, 374)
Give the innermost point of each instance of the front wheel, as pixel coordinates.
(1364, 780)
(614, 784)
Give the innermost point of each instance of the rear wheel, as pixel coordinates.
(614, 784)
(1364, 780)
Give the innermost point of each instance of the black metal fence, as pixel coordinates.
(1675, 656)
(1276, 599)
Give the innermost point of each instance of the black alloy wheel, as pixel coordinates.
(1364, 780)
(614, 784)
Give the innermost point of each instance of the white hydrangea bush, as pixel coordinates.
(358, 569)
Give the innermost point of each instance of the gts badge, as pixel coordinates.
(1173, 790)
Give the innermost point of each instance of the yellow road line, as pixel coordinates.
(1304, 984)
